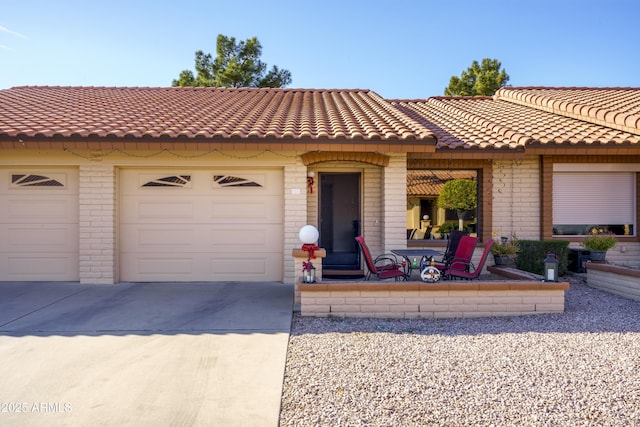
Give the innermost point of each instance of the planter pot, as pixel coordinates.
(506, 260)
(597, 256)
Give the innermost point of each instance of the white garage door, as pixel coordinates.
(38, 224)
(201, 225)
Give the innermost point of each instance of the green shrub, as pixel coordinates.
(599, 242)
(510, 247)
(533, 252)
(447, 227)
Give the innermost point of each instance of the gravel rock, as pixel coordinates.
(579, 368)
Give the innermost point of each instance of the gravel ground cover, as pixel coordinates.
(579, 368)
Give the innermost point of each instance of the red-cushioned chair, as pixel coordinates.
(385, 266)
(452, 246)
(463, 271)
(463, 254)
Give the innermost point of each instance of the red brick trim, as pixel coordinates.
(442, 286)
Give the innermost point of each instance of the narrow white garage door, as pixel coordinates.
(201, 225)
(38, 224)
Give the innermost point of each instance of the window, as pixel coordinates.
(425, 220)
(594, 198)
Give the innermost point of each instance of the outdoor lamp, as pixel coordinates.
(551, 268)
(309, 236)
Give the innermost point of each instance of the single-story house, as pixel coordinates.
(102, 185)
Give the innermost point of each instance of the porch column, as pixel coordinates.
(394, 202)
(295, 213)
(98, 255)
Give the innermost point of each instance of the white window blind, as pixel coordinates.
(593, 198)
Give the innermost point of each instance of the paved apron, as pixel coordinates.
(143, 354)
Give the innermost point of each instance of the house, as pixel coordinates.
(102, 185)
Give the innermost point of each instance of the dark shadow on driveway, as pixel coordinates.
(70, 309)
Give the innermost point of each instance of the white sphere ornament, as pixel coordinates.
(308, 234)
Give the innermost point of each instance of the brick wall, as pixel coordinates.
(97, 217)
(394, 203)
(417, 300)
(295, 215)
(617, 280)
(516, 198)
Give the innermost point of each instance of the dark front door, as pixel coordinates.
(340, 220)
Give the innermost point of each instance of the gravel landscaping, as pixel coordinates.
(581, 367)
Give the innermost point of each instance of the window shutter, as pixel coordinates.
(593, 198)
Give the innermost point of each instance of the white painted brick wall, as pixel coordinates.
(97, 215)
(394, 201)
(295, 214)
(516, 198)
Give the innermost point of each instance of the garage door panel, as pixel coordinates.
(38, 237)
(39, 228)
(164, 210)
(243, 239)
(165, 266)
(156, 209)
(253, 266)
(48, 209)
(39, 266)
(215, 225)
(159, 237)
(239, 209)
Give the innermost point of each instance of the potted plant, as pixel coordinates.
(598, 243)
(446, 228)
(458, 194)
(505, 251)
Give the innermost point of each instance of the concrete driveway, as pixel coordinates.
(143, 354)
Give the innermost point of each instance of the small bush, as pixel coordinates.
(599, 242)
(510, 247)
(533, 252)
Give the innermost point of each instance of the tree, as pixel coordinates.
(458, 194)
(235, 65)
(478, 79)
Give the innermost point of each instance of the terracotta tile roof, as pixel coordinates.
(455, 124)
(507, 122)
(203, 113)
(618, 108)
(430, 182)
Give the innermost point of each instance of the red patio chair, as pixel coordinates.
(385, 266)
(452, 245)
(464, 271)
(464, 253)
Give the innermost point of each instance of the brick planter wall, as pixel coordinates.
(421, 300)
(617, 280)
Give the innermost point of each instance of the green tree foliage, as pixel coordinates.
(458, 194)
(478, 80)
(235, 65)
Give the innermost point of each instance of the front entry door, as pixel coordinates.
(340, 220)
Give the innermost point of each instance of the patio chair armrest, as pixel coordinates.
(460, 261)
(386, 259)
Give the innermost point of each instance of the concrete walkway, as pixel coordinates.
(143, 354)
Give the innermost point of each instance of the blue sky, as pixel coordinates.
(399, 49)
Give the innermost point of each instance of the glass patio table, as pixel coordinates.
(416, 256)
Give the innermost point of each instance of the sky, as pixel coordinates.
(401, 49)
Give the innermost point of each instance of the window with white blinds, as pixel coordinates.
(584, 200)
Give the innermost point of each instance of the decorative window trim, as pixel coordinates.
(36, 180)
(233, 181)
(173, 181)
